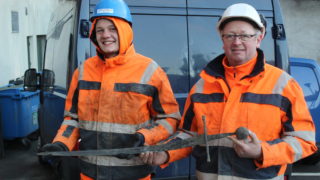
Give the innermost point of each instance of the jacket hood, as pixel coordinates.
(125, 35)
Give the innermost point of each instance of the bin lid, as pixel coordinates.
(17, 93)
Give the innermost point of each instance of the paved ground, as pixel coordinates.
(20, 162)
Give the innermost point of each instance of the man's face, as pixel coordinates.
(237, 50)
(107, 37)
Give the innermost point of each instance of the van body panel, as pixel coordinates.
(258, 4)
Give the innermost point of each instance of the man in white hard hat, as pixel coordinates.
(238, 89)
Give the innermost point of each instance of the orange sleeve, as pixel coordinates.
(178, 154)
(293, 145)
(68, 133)
(166, 115)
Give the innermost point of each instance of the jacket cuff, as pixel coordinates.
(266, 159)
(61, 145)
(153, 136)
(140, 139)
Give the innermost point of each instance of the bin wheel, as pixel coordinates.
(41, 161)
(26, 142)
(34, 135)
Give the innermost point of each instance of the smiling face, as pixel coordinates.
(107, 37)
(238, 51)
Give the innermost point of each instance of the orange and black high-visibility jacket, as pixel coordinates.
(109, 100)
(266, 100)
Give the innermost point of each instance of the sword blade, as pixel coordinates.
(196, 140)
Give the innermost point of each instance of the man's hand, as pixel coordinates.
(53, 160)
(247, 148)
(154, 158)
(137, 140)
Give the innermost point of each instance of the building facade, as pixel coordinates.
(23, 30)
(24, 25)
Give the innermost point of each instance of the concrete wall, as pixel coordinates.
(302, 24)
(34, 16)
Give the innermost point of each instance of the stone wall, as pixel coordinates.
(302, 25)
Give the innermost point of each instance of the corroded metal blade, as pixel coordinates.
(196, 140)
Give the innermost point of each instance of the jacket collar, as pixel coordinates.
(119, 59)
(215, 67)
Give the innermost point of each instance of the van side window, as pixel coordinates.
(58, 48)
(205, 44)
(267, 44)
(309, 85)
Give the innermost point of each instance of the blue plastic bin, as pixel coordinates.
(19, 113)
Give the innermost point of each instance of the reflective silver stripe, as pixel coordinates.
(166, 125)
(211, 176)
(306, 135)
(183, 135)
(70, 122)
(175, 115)
(295, 144)
(69, 114)
(111, 127)
(152, 67)
(199, 86)
(305, 174)
(281, 83)
(81, 69)
(111, 161)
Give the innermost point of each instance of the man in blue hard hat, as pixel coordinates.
(116, 99)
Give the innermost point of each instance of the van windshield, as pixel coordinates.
(59, 40)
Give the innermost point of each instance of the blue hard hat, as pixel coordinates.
(113, 8)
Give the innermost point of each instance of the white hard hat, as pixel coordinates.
(241, 10)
